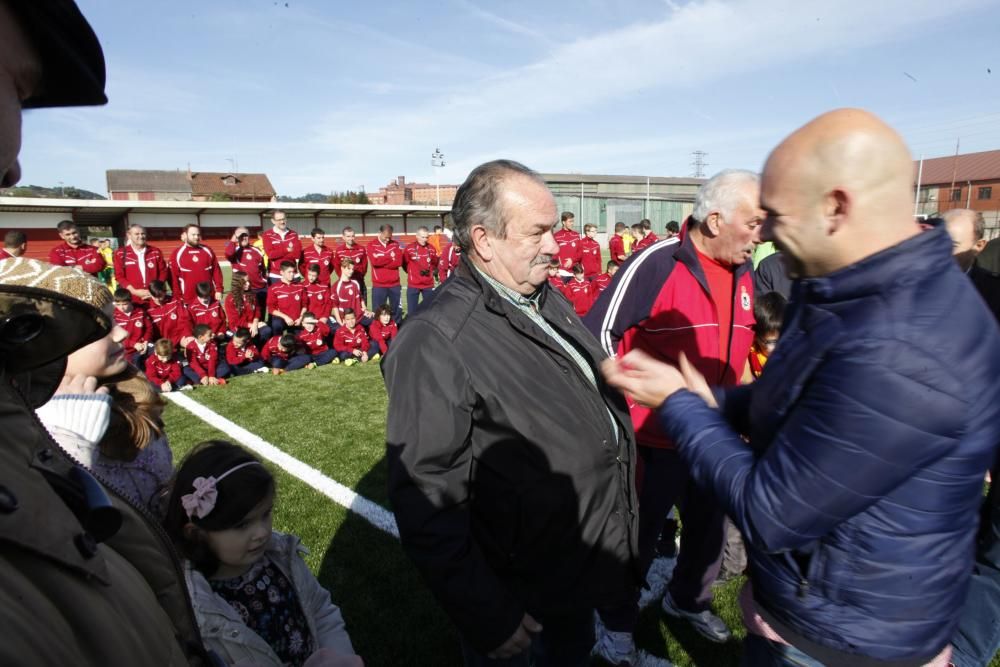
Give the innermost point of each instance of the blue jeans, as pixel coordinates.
(373, 349)
(415, 295)
(565, 641)
(323, 358)
(221, 371)
(247, 368)
(760, 652)
(978, 635)
(391, 294)
(293, 363)
(278, 327)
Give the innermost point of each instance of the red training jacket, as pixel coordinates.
(324, 257)
(171, 320)
(420, 260)
(319, 302)
(347, 295)
(358, 255)
(159, 372)
(616, 247)
(192, 265)
(383, 333)
(569, 248)
(130, 271)
(590, 257)
(280, 249)
(249, 260)
(85, 256)
(314, 341)
(660, 303)
(272, 350)
(386, 258)
(237, 356)
(450, 258)
(348, 340)
(205, 361)
(136, 324)
(289, 298)
(210, 314)
(643, 243)
(601, 283)
(236, 319)
(581, 294)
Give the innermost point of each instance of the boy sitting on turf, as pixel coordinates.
(318, 300)
(242, 355)
(283, 355)
(313, 338)
(602, 281)
(383, 329)
(136, 324)
(171, 317)
(352, 343)
(286, 300)
(206, 310)
(579, 291)
(204, 366)
(163, 369)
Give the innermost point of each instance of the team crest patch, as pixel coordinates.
(744, 298)
(151, 265)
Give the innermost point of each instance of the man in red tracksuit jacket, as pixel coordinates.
(245, 257)
(281, 244)
(386, 257)
(73, 251)
(450, 257)
(317, 254)
(171, 318)
(137, 325)
(358, 256)
(194, 263)
(616, 245)
(693, 297)
(590, 252)
(569, 246)
(137, 264)
(421, 261)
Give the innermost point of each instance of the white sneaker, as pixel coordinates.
(187, 387)
(617, 648)
(657, 578)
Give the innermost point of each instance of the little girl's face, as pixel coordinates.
(103, 358)
(239, 547)
(384, 318)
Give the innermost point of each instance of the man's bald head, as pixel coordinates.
(838, 189)
(967, 230)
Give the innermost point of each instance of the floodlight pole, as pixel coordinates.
(437, 161)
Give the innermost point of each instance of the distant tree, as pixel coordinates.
(348, 197)
(219, 196)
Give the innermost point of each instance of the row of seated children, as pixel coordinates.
(207, 363)
(580, 291)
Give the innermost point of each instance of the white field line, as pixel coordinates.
(371, 512)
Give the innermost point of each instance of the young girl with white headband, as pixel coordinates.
(255, 599)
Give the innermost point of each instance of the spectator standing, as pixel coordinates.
(421, 261)
(73, 251)
(137, 264)
(15, 244)
(193, 263)
(616, 244)
(386, 257)
(590, 252)
(569, 245)
(250, 260)
(317, 254)
(356, 252)
(281, 244)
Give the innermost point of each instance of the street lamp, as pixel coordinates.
(437, 161)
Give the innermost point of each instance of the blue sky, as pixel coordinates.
(327, 96)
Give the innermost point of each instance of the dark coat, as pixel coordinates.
(771, 275)
(510, 492)
(871, 430)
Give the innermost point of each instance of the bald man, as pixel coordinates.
(872, 426)
(967, 230)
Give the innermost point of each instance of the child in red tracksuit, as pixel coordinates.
(242, 355)
(206, 310)
(204, 366)
(313, 339)
(383, 329)
(163, 369)
(282, 354)
(136, 324)
(555, 282)
(352, 343)
(318, 298)
(602, 281)
(579, 291)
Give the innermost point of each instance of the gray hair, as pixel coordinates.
(978, 221)
(723, 192)
(478, 200)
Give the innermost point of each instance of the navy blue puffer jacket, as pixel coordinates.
(872, 427)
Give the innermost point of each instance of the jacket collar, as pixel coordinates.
(687, 254)
(902, 264)
(491, 298)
